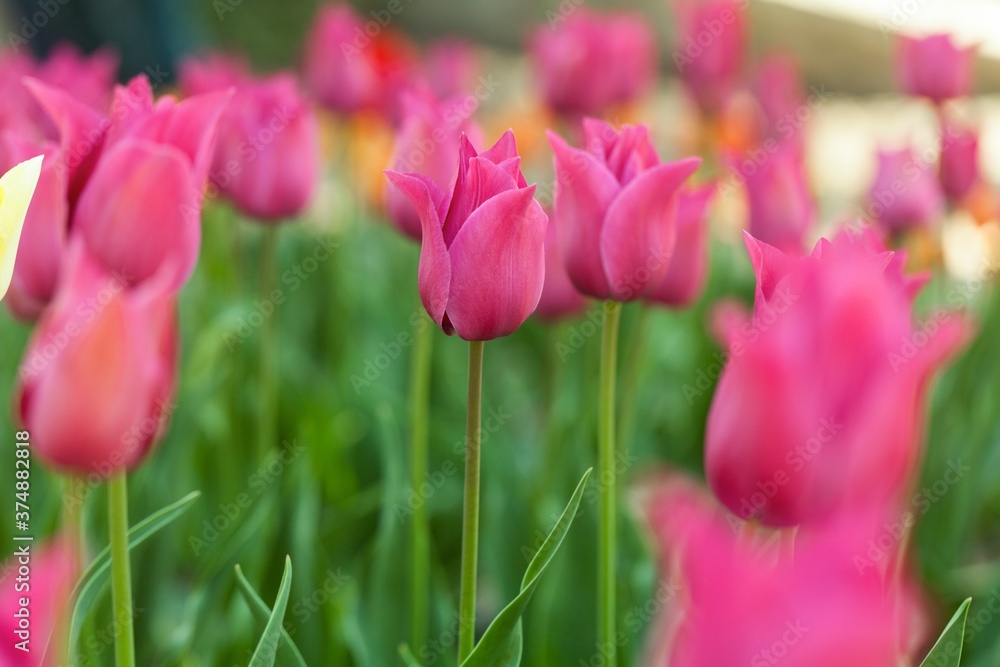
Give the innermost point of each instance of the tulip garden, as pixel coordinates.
(416, 352)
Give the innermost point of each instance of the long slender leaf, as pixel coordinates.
(500, 645)
(407, 655)
(94, 579)
(289, 651)
(947, 650)
(267, 648)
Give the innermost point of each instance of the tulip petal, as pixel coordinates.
(770, 265)
(498, 266)
(434, 274)
(585, 191)
(504, 149)
(133, 212)
(16, 189)
(483, 180)
(639, 231)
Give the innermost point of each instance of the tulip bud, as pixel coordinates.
(616, 204)
(98, 375)
(559, 298)
(819, 407)
(482, 260)
(689, 266)
(779, 202)
(906, 192)
(711, 36)
(426, 143)
(934, 67)
(959, 168)
(588, 62)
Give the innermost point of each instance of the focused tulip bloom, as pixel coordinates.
(779, 202)
(934, 67)
(98, 376)
(688, 269)
(266, 158)
(141, 206)
(711, 38)
(617, 205)
(17, 187)
(819, 407)
(959, 161)
(906, 192)
(426, 143)
(55, 566)
(482, 254)
(559, 297)
(589, 62)
(347, 70)
(813, 609)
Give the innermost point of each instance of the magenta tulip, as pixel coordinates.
(588, 62)
(688, 269)
(266, 158)
(482, 254)
(43, 596)
(819, 407)
(559, 297)
(778, 89)
(616, 205)
(452, 68)
(959, 163)
(98, 376)
(212, 72)
(426, 143)
(934, 67)
(710, 42)
(779, 202)
(141, 206)
(813, 608)
(906, 192)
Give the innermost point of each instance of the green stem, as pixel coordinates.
(419, 529)
(606, 557)
(267, 432)
(470, 510)
(121, 576)
(72, 512)
(630, 383)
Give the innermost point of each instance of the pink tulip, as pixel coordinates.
(452, 68)
(779, 202)
(98, 375)
(688, 269)
(616, 205)
(959, 163)
(813, 608)
(778, 89)
(426, 143)
(588, 62)
(140, 209)
(214, 71)
(710, 42)
(482, 261)
(266, 158)
(934, 67)
(559, 297)
(55, 565)
(353, 65)
(819, 407)
(906, 192)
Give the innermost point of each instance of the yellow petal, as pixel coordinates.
(16, 189)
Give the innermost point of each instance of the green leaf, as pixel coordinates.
(947, 650)
(267, 648)
(94, 579)
(289, 651)
(502, 641)
(407, 655)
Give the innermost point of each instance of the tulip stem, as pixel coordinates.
(72, 511)
(606, 556)
(268, 413)
(470, 510)
(121, 576)
(419, 529)
(633, 369)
